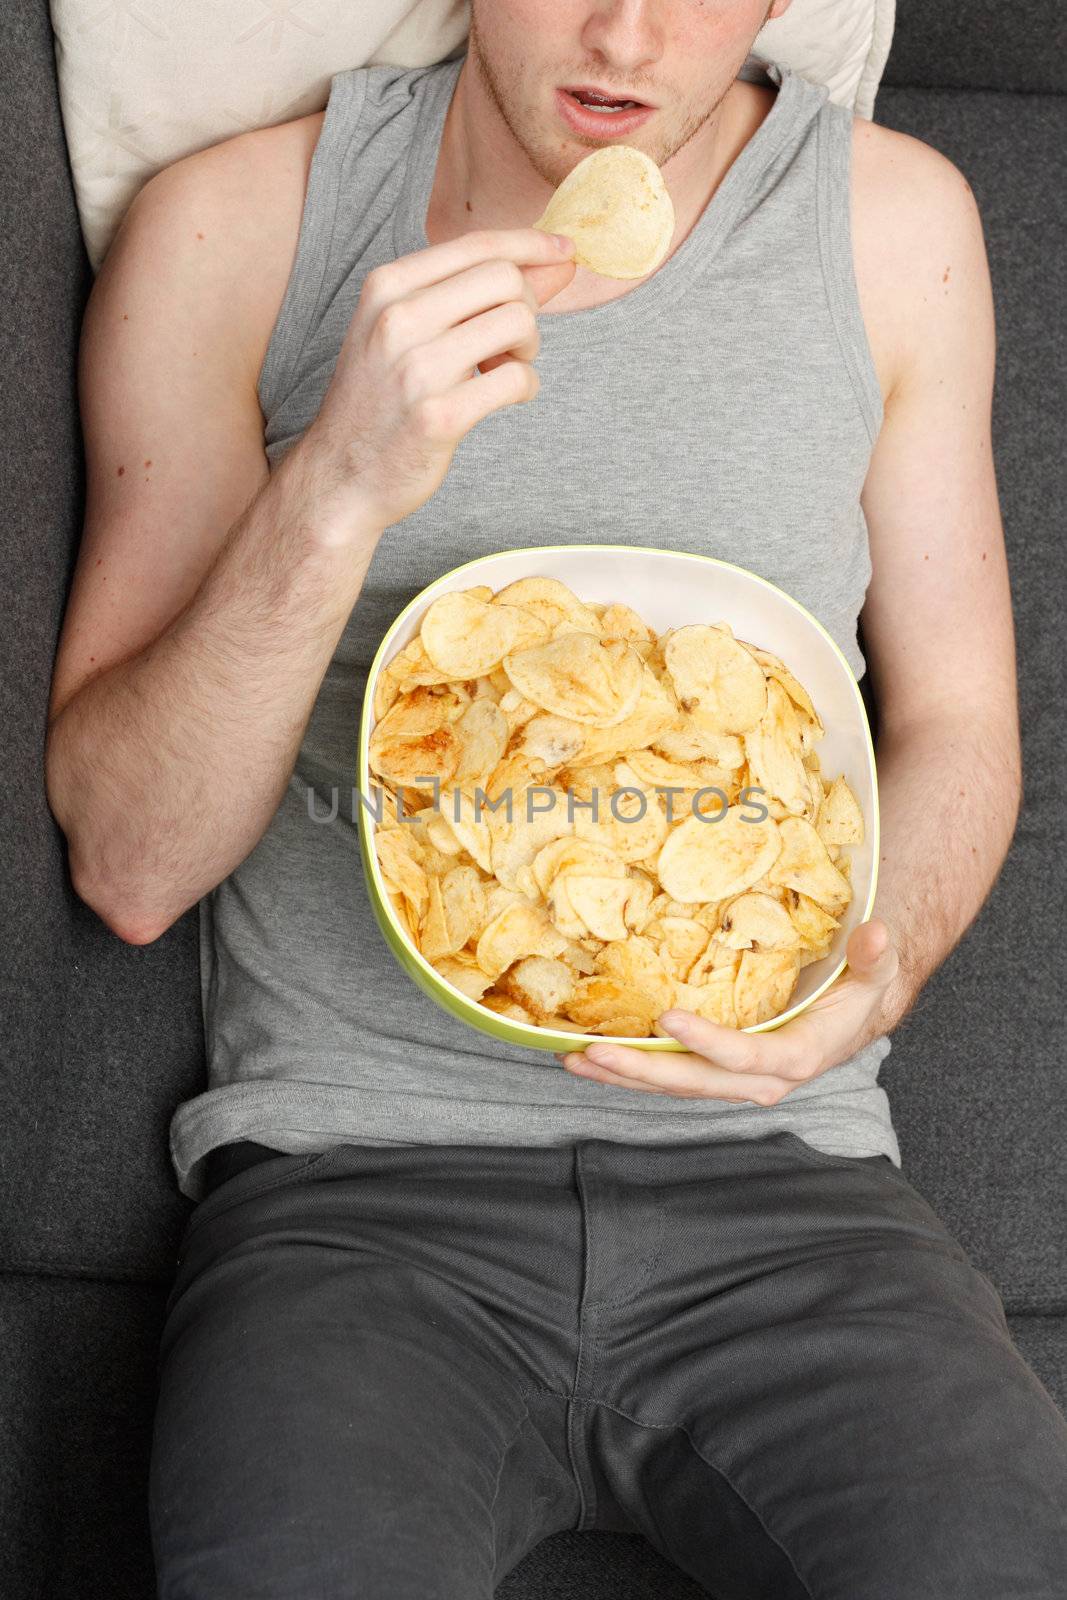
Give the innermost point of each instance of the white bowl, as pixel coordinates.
(667, 589)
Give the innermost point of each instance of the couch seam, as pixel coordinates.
(72, 1270)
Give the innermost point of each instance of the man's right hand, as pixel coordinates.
(439, 339)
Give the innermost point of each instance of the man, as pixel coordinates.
(441, 1298)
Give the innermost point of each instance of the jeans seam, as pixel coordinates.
(584, 1312)
(311, 1164)
(500, 1478)
(823, 1159)
(681, 1428)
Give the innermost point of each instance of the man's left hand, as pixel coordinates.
(724, 1063)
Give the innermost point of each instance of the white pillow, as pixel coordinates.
(141, 86)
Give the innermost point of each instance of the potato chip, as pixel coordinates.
(765, 980)
(521, 929)
(598, 1000)
(615, 205)
(497, 898)
(631, 823)
(772, 749)
(415, 738)
(815, 927)
(441, 836)
(679, 940)
(598, 903)
(466, 637)
(796, 691)
(624, 1027)
(570, 854)
(803, 864)
(712, 998)
(583, 961)
(516, 843)
(680, 786)
(468, 977)
(646, 767)
(636, 908)
(482, 731)
(400, 870)
(562, 913)
(713, 960)
(703, 860)
(552, 602)
(709, 915)
(553, 740)
(406, 917)
(505, 1006)
(839, 819)
(455, 912)
(517, 710)
(622, 622)
(755, 921)
(578, 676)
(585, 780)
(716, 676)
(473, 835)
(645, 723)
(688, 738)
(637, 964)
(410, 668)
(542, 984)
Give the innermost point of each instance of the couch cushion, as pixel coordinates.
(975, 1077)
(978, 44)
(99, 1039)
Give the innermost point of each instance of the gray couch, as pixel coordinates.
(101, 1039)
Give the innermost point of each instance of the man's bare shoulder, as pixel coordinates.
(915, 226)
(246, 197)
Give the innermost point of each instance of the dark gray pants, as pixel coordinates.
(388, 1373)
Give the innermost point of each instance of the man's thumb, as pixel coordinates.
(872, 955)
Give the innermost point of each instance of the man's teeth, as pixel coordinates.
(630, 106)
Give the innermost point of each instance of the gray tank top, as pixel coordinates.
(726, 405)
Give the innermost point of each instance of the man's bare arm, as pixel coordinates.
(177, 704)
(182, 691)
(937, 621)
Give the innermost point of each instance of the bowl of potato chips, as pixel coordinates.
(600, 781)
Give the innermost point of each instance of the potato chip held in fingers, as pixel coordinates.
(615, 206)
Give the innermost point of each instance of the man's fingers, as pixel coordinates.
(539, 285)
(547, 281)
(671, 1073)
(730, 1047)
(421, 268)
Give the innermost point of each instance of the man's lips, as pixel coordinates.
(604, 96)
(590, 123)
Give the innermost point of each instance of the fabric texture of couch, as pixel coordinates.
(101, 1039)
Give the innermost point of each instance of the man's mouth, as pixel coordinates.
(600, 100)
